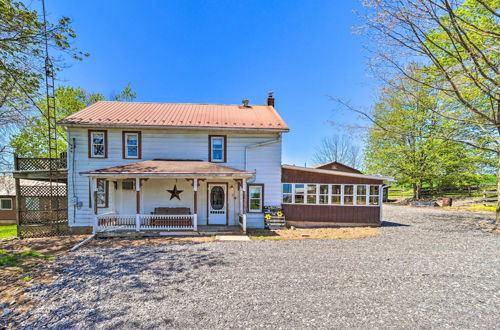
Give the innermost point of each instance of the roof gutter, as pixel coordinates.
(177, 175)
(136, 126)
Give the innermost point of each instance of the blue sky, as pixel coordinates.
(225, 51)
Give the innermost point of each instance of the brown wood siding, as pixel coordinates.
(332, 213)
(297, 176)
(334, 166)
(8, 214)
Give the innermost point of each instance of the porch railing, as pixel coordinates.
(139, 222)
(242, 221)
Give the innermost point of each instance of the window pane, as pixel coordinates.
(254, 204)
(361, 200)
(374, 190)
(254, 192)
(287, 188)
(323, 199)
(217, 154)
(361, 190)
(323, 189)
(299, 188)
(348, 189)
(336, 189)
(348, 200)
(132, 151)
(287, 198)
(98, 150)
(217, 143)
(299, 199)
(311, 189)
(98, 138)
(132, 140)
(6, 204)
(311, 199)
(336, 200)
(374, 200)
(101, 193)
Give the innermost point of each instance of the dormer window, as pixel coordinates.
(98, 144)
(131, 142)
(217, 148)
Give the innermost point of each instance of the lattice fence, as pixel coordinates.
(40, 164)
(41, 215)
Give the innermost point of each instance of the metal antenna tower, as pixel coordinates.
(51, 121)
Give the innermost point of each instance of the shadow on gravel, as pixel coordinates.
(94, 280)
(393, 224)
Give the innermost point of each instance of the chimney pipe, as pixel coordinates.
(270, 99)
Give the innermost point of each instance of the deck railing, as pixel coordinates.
(242, 221)
(40, 164)
(139, 222)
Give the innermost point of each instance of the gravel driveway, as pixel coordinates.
(428, 269)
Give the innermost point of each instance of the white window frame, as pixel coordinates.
(222, 149)
(330, 195)
(92, 144)
(306, 193)
(11, 204)
(328, 190)
(105, 192)
(138, 145)
(261, 198)
(283, 193)
(377, 195)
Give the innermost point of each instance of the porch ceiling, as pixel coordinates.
(170, 168)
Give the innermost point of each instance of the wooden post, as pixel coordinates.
(380, 201)
(195, 196)
(18, 206)
(93, 195)
(138, 195)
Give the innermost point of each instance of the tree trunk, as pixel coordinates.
(417, 190)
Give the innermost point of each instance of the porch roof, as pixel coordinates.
(175, 168)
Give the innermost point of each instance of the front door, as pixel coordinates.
(217, 204)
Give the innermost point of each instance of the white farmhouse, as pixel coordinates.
(138, 166)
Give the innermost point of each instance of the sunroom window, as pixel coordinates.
(361, 194)
(336, 194)
(374, 195)
(311, 194)
(323, 194)
(348, 194)
(287, 192)
(299, 193)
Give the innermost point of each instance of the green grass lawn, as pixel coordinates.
(8, 231)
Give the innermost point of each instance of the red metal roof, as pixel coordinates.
(128, 114)
(172, 168)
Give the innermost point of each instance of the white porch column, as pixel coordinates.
(380, 201)
(195, 204)
(244, 189)
(137, 204)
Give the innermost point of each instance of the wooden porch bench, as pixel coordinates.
(177, 221)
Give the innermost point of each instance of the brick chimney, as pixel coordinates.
(270, 99)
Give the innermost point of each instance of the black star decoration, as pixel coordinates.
(175, 193)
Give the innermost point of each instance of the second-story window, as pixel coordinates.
(98, 144)
(217, 148)
(131, 144)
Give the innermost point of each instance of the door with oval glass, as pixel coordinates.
(217, 203)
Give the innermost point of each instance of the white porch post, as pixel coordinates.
(138, 204)
(380, 201)
(195, 204)
(244, 189)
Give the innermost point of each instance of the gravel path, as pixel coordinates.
(429, 269)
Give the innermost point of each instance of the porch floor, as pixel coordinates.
(202, 231)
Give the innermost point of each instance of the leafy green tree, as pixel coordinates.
(22, 62)
(457, 44)
(31, 140)
(406, 141)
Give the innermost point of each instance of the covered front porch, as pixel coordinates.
(167, 196)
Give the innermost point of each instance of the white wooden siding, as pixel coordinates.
(173, 144)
